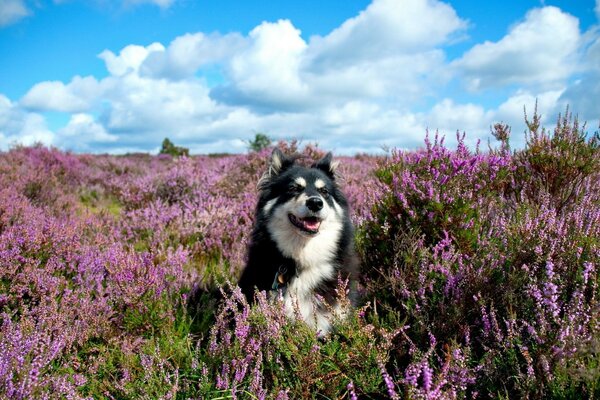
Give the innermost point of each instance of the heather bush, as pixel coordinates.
(497, 254)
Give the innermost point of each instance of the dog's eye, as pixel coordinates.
(295, 188)
(324, 192)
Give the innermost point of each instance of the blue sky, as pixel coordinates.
(119, 76)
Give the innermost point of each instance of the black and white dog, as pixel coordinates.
(302, 242)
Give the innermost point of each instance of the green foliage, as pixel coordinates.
(176, 151)
(260, 142)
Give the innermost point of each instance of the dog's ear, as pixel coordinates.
(279, 162)
(327, 165)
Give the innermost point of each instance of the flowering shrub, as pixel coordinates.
(496, 254)
(480, 276)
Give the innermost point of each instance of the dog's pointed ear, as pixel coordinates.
(279, 162)
(327, 165)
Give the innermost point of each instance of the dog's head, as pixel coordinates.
(301, 200)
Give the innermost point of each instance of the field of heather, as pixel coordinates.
(480, 276)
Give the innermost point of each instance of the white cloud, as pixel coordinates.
(540, 50)
(138, 110)
(597, 9)
(370, 126)
(449, 117)
(77, 96)
(403, 78)
(82, 132)
(129, 59)
(136, 104)
(187, 53)
(389, 47)
(270, 67)
(352, 127)
(386, 28)
(12, 11)
(512, 110)
(20, 127)
(582, 95)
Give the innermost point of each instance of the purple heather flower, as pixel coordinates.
(427, 377)
(351, 393)
(389, 382)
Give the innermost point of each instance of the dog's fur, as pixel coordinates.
(302, 242)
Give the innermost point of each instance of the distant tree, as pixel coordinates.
(176, 151)
(167, 147)
(260, 142)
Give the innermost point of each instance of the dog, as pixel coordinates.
(303, 240)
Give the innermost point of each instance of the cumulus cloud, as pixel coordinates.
(540, 50)
(129, 59)
(271, 62)
(389, 47)
(83, 133)
(186, 54)
(369, 126)
(12, 11)
(582, 95)
(449, 117)
(512, 110)
(137, 105)
(77, 96)
(20, 127)
(385, 28)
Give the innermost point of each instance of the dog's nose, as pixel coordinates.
(314, 203)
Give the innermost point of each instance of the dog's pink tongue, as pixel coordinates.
(311, 224)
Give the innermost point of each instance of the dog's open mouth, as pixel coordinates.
(307, 224)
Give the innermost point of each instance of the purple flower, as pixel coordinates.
(351, 393)
(389, 382)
